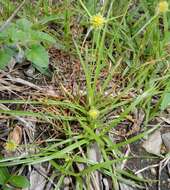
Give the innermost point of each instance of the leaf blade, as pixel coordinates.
(19, 181)
(4, 175)
(39, 58)
(5, 58)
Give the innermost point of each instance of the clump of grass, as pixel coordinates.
(129, 46)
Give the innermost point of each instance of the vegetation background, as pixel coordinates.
(84, 94)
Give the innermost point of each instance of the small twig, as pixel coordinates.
(50, 181)
(85, 38)
(8, 21)
(126, 155)
(26, 124)
(27, 83)
(24, 82)
(162, 164)
(147, 167)
(94, 180)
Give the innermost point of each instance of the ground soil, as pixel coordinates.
(68, 75)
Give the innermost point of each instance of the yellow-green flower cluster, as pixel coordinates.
(10, 146)
(93, 113)
(162, 7)
(97, 21)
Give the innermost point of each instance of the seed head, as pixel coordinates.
(93, 113)
(163, 6)
(10, 146)
(97, 21)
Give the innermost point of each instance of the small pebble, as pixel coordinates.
(153, 171)
(30, 71)
(106, 183)
(67, 180)
(166, 140)
(66, 188)
(163, 149)
(153, 143)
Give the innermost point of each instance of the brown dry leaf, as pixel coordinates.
(16, 135)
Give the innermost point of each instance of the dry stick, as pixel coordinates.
(162, 164)
(27, 124)
(8, 21)
(24, 82)
(146, 168)
(126, 155)
(51, 181)
(41, 171)
(85, 38)
(92, 175)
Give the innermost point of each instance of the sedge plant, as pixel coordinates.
(135, 57)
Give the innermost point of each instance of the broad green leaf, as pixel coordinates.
(4, 175)
(5, 58)
(42, 36)
(24, 24)
(165, 101)
(38, 56)
(10, 31)
(7, 188)
(19, 181)
(3, 35)
(44, 71)
(20, 36)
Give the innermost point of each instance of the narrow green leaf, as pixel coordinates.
(39, 158)
(19, 181)
(51, 18)
(133, 176)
